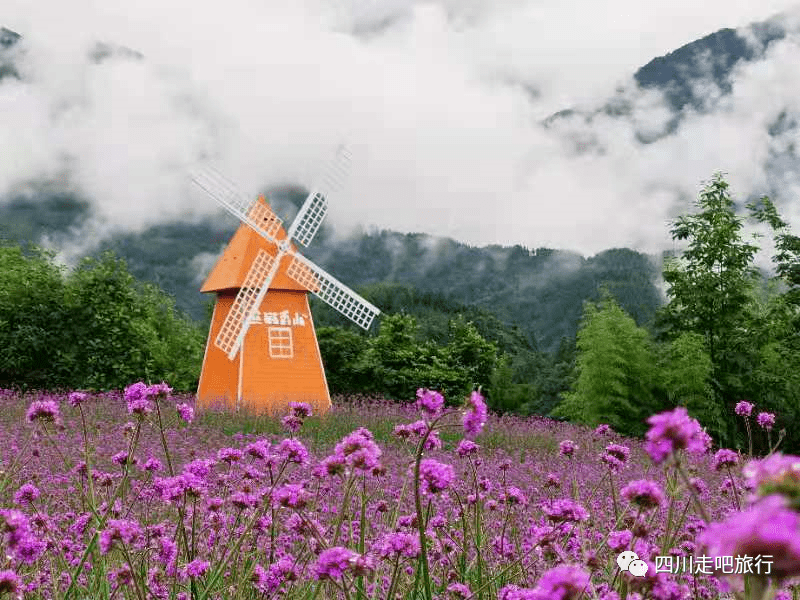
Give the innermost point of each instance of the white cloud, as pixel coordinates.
(435, 100)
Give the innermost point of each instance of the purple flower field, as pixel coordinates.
(135, 495)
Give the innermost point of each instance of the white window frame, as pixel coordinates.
(280, 342)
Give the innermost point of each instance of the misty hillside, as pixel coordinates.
(538, 289)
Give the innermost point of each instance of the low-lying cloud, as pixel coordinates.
(442, 104)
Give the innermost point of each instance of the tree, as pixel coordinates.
(31, 317)
(710, 287)
(776, 378)
(614, 366)
(468, 352)
(342, 353)
(684, 369)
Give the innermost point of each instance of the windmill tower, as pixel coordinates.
(262, 350)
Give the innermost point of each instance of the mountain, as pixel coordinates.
(693, 78)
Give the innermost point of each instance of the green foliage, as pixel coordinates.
(342, 353)
(468, 352)
(710, 289)
(398, 364)
(614, 370)
(505, 395)
(685, 370)
(397, 361)
(95, 328)
(32, 316)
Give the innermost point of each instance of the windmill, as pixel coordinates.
(268, 322)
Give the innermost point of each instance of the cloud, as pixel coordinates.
(440, 102)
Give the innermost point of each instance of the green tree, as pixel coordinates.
(32, 318)
(710, 288)
(614, 370)
(121, 331)
(776, 378)
(468, 352)
(505, 395)
(684, 369)
(342, 353)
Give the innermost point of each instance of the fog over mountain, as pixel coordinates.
(511, 122)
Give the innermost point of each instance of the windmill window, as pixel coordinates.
(280, 342)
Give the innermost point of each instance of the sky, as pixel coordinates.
(440, 104)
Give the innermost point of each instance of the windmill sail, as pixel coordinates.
(332, 291)
(246, 304)
(256, 213)
(308, 220)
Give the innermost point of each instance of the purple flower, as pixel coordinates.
(514, 495)
(567, 447)
(467, 448)
(10, 583)
(120, 458)
(197, 568)
(334, 562)
(76, 398)
(459, 590)
(725, 458)
(616, 453)
(766, 420)
(119, 529)
(476, 414)
(552, 480)
(26, 494)
(619, 540)
(201, 467)
(300, 409)
(138, 399)
(359, 450)
(292, 450)
(46, 410)
(643, 493)
(398, 544)
(776, 474)
(291, 495)
(158, 391)
(292, 423)
(564, 511)
(435, 476)
(429, 402)
(330, 466)
(603, 429)
(672, 431)
(185, 412)
(563, 583)
(768, 529)
(229, 455)
(744, 408)
(258, 449)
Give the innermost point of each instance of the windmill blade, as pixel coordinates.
(337, 170)
(332, 291)
(307, 222)
(255, 213)
(247, 302)
(309, 218)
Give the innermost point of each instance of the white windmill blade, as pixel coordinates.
(255, 213)
(247, 302)
(332, 291)
(337, 170)
(309, 218)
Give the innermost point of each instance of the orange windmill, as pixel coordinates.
(273, 333)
